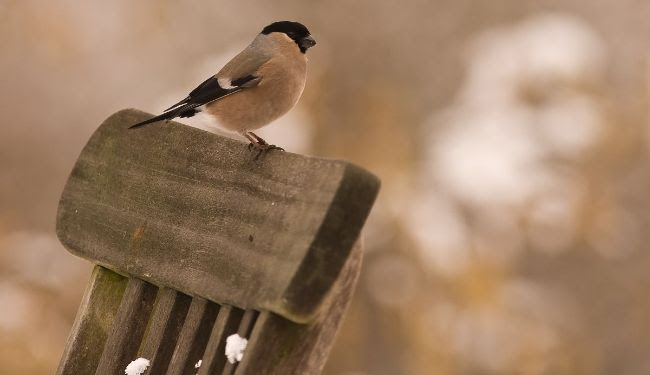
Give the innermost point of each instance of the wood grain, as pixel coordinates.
(186, 209)
(162, 331)
(128, 327)
(244, 330)
(193, 337)
(93, 323)
(214, 358)
(279, 346)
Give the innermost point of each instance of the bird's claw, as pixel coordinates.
(262, 148)
(274, 147)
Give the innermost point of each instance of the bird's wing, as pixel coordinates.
(207, 92)
(237, 75)
(212, 89)
(248, 61)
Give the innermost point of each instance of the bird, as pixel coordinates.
(260, 84)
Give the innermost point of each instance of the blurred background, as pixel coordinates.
(511, 137)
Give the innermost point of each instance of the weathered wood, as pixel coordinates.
(93, 323)
(193, 337)
(244, 330)
(196, 215)
(193, 211)
(163, 329)
(247, 322)
(128, 328)
(227, 323)
(279, 346)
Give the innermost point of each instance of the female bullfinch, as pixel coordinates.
(260, 84)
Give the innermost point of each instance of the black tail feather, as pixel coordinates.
(184, 101)
(165, 116)
(183, 111)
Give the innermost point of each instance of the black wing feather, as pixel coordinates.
(207, 92)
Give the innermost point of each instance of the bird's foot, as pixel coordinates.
(262, 148)
(259, 145)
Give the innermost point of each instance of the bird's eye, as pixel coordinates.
(292, 35)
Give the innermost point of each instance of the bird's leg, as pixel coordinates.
(251, 139)
(264, 143)
(258, 139)
(259, 144)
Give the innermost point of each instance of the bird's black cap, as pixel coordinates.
(295, 30)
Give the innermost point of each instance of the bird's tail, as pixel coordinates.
(183, 111)
(165, 116)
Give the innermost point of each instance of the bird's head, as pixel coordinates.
(294, 30)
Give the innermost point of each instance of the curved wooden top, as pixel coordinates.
(187, 209)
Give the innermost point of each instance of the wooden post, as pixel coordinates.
(203, 241)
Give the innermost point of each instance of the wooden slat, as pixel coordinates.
(194, 211)
(128, 327)
(92, 325)
(162, 331)
(244, 330)
(193, 336)
(247, 322)
(279, 346)
(214, 359)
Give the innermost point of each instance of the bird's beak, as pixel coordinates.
(307, 42)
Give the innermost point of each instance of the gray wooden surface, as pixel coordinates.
(131, 317)
(164, 329)
(203, 241)
(282, 347)
(123, 319)
(185, 209)
(93, 324)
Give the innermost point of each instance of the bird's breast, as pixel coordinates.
(282, 83)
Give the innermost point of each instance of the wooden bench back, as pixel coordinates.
(195, 240)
